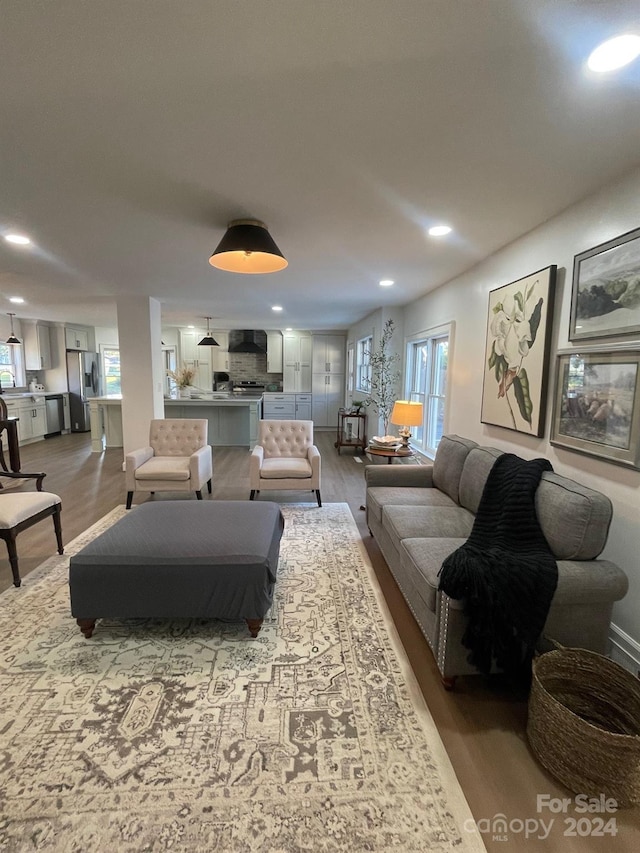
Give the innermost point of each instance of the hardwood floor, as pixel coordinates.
(482, 723)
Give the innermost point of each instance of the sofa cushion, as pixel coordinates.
(407, 522)
(379, 496)
(574, 519)
(474, 475)
(423, 558)
(281, 467)
(447, 466)
(164, 468)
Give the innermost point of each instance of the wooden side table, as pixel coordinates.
(390, 455)
(354, 437)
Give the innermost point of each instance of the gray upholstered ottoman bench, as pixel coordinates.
(194, 559)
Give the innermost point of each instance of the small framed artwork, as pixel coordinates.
(605, 295)
(517, 353)
(597, 396)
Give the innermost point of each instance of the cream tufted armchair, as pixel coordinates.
(178, 459)
(285, 457)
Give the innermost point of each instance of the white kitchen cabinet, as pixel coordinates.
(328, 377)
(220, 354)
(296, 368)
(197, 357)
(279, 407)
(303, 407)
(76, 338)
(328, 353)
(37, 346)
(32, 414)
(274, 352)
(328, 395)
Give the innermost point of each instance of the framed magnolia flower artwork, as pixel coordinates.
(514, 390)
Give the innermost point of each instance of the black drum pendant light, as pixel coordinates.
(208, 340)
(247, 247)
(11, 340)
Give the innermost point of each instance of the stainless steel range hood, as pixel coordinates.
(247, 340)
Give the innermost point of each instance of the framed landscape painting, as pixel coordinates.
(517, 353)
(605, 296)
(596, 405)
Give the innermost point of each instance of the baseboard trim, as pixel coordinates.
(624, 649)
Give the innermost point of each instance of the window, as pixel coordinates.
(363, 364)
(11, 370)
(111, 369)
(427, 363)
(350, 369)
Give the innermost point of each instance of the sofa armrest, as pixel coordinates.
(201, 465)
(255, 464)
(133, 460)
(313, 455)
(420, 476)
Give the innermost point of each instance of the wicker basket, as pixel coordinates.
(584, 723)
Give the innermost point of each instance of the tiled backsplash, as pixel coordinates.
(250, 367)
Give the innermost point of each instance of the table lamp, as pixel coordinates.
(406, 414)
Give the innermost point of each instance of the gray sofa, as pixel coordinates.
(419, 514)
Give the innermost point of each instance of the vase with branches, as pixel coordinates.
(183, 377)
(385, 376)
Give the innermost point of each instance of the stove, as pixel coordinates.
(258, 387)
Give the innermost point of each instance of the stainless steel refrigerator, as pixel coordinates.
(82, 373)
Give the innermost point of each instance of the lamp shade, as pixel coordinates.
(208, 340)
(407, 413)
(247, 247)
(12, 340)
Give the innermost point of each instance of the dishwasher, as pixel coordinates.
(55, 415)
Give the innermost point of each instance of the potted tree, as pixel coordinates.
(385, 376)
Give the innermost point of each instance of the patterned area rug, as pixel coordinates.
(190, 736)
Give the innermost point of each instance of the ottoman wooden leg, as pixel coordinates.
(254, 626)
(87, 626)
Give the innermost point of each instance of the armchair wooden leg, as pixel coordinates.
(318, 497)
(199, 495)
(129, 499)
(252, 495)
(209, 486)
(10, 539)
(57, 526)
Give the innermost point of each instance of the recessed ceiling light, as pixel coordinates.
(190, 327)
(17, 299)
(288, 329)
(18, 239)
(387, 282)
(439, 231)
(614, 53)
(276, 307)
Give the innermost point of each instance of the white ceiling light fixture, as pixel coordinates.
(17, 239)
(439, 231)
(614, 53)
(17, 299)
(386, 282)
(276, 307)
(247, 247)
(12, 340)
(208, 340)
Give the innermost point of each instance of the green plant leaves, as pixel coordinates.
(534, 321)
(521, 389)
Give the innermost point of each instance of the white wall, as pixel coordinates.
(608, 214)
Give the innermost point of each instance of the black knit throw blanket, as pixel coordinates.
(505, 571)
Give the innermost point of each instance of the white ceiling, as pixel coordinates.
(131, 131)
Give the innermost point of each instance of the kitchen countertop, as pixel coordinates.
(216, 397)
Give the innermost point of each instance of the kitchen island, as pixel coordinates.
(233, 418)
